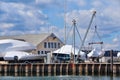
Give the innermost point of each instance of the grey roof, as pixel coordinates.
(32, 38)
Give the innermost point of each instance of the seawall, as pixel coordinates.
(59, 69)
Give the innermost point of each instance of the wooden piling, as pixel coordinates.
(111, 54)
(86, 69)
(93, 68)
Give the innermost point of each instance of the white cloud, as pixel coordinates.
(21, 16)
(115, 40)
(97, 3)
(43, 1)
(78, 2)
(6, 25)
(81, 17)
(114, 44)
(7, 32)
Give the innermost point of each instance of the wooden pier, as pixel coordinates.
(31, 69)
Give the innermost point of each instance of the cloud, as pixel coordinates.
(6, 25)
(53, 4)
(18, 1)
(44, 1)
(18, 16)
(114, 44)
(97, 3)
(78, 2)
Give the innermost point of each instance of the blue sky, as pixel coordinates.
(38, 16)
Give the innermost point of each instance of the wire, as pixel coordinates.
(78, 33)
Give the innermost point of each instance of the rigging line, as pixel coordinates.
(93, 35)
(73, 39)
(68, 34)
(78, 34)
(97, 33)
(65, 7)
(96, 30)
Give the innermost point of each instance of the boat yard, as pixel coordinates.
(46, 54)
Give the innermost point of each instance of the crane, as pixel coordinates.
(93, 15)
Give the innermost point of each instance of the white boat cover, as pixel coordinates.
(68, 49)
(22, 55)
(11, 54)
(118, 54)
(96, 53)
(15, 45)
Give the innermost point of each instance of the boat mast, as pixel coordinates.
(74, 24)
(65, 21)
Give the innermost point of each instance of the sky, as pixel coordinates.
(19, 17)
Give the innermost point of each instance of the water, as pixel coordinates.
(62, 77)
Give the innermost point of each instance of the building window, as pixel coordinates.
(42, 52)
(38, 52)
(54, 45)
(45, 52)
(48, 51)
(45, 44)
(48, 44)
(58, 45)
(51, 44)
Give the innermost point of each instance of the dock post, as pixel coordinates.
(114, 68)
(106, 69)
(26, 68)
(86, 69)
(16, 68)
(80, 68)
(67, 69)
(5, 68)
(49, 69)
(0, 68)
(31, 69)
(55, 69)
(61, 66)
(111, 54)
(93, 67)
(43, 71)
(38, 69)
(99, 69)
